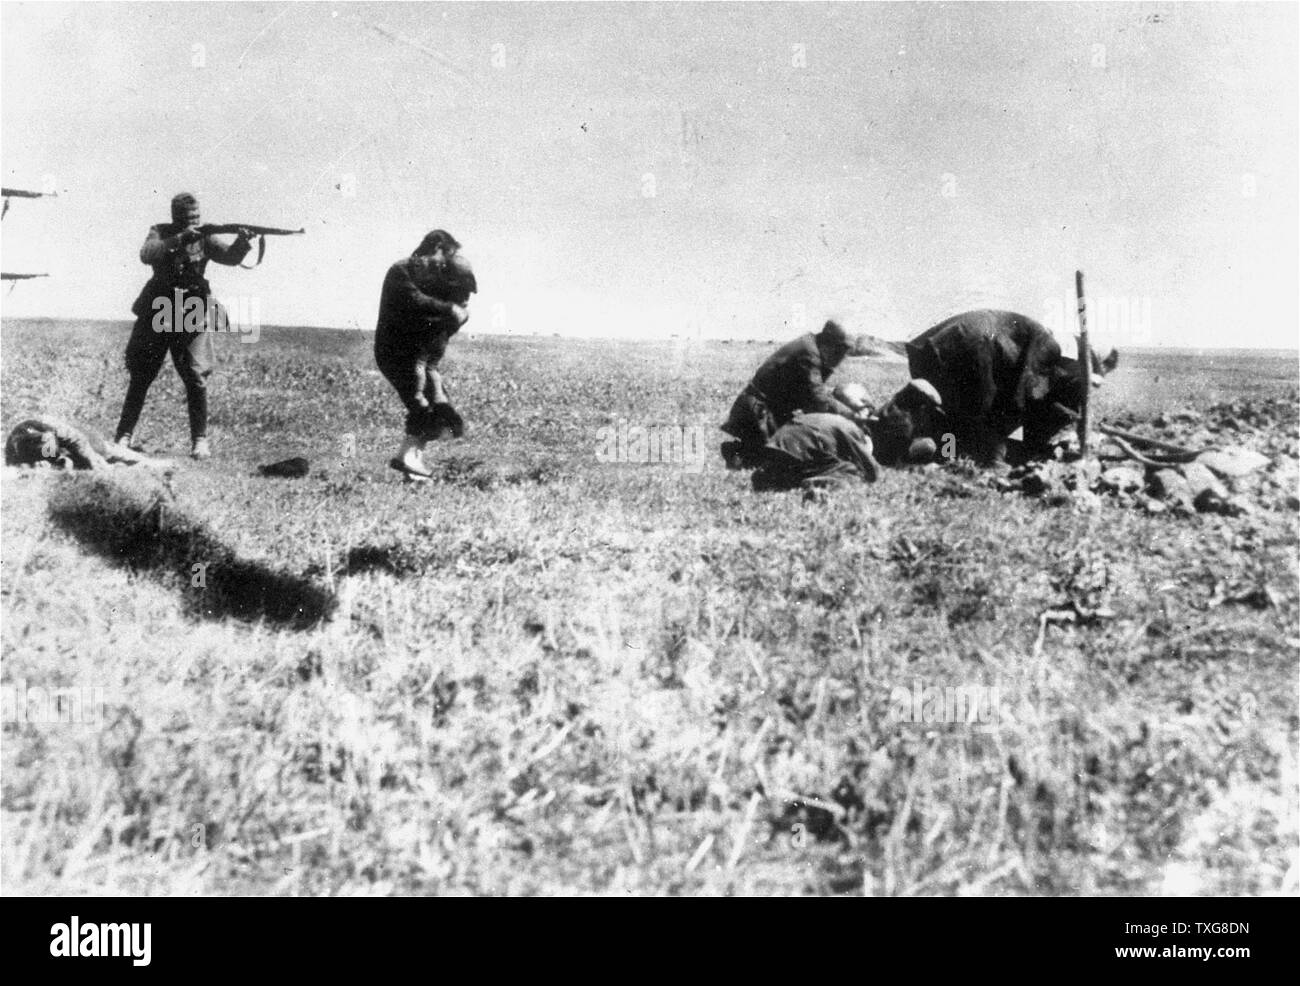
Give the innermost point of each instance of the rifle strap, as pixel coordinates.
(261, 252)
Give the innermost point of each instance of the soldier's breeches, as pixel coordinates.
(193, 356)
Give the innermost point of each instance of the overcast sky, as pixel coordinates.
(649, 169)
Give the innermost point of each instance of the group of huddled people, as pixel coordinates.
(795, 431)
(978, 379)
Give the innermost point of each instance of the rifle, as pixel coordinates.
(6, 276)
(207, 229)
(20, 193)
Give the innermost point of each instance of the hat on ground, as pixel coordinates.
(294, 468)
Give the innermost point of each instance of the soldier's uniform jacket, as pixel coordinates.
(794, 379)
(182, 267)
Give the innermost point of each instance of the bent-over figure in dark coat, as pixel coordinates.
(791, 379)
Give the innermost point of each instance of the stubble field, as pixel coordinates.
(546, 673)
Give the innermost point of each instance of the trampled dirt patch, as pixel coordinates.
(1234, 459)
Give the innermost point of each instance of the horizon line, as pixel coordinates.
(656, 338)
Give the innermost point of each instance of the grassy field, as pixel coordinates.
(547, 673)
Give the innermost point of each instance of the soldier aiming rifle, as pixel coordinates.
(179, 252)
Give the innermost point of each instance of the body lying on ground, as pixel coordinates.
(815, 449)
(63, 445)
(988, 374)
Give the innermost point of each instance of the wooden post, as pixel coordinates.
(1085, 368)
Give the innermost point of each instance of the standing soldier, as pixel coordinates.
(422, 305)
(179, 253)
(792, 379)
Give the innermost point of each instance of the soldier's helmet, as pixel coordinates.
(833, 334)
(182, 203)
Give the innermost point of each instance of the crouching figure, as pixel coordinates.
(815, 451)
(977, 378)
(791, 380)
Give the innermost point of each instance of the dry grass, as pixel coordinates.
(545, 674)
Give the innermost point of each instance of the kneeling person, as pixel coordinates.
(792, 379)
